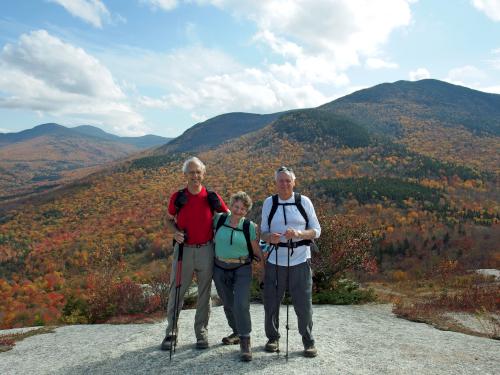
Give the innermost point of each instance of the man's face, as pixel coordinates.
(194, 174)
(284, 185)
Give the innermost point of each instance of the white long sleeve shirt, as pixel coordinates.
(294, 220)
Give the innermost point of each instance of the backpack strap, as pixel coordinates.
(300, 207)
(246, 232)
(180, 200)
(220, 221)
(298, 203)
(213, 200)
(273, 210)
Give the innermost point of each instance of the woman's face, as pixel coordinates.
(238, 208)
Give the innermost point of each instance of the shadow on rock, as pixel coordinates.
(217, 359)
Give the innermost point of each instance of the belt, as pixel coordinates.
(198, 244)
(240, 260)
(294, 244)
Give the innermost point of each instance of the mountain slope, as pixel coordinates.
(37, 131)
(425, 213)
(381, 107)
(438, 119)
(50, 154)
(217, 130)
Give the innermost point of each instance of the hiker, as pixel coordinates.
(190, 216)
(236, 246)
(289, 223)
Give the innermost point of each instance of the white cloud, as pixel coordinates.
(376, 63)
(491, 89)
(249, 90)
(491, 8)
(343, 30)
(466, 76)
(316, 40)
(91, 11)
(68, 84)
(211, 82)
(3, 130)
(420, 73)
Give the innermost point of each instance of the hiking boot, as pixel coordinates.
(245, 349)
(202, 344)
(232, 339)
(167, 342)
(271, 346)
(310, 351)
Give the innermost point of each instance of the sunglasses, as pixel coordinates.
(284, 169)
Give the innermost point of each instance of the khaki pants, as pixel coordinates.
(199, 260)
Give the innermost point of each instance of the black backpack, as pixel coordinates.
(298, 203)
(181, 199)
(246, 232)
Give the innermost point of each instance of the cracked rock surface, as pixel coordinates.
(365, 339)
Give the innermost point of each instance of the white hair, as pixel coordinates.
(287, 171)
(193, 160)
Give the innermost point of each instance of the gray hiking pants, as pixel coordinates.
(233, 287)
(300, 288)
(199, 260)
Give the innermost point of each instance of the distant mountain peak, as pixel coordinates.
(382, 106)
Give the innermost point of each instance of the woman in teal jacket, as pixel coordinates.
(236, 245)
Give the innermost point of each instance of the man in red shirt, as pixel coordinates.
(190, 217)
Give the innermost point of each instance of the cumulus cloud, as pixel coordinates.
(420, 73)
(247, 90)
(316, 41)
(343, 30)
(91, 11)
(68, 83)
(491, 8)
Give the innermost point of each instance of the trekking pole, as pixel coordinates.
(290, 247)
(277, 299)
(178, 284)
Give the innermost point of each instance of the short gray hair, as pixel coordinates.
(283, 169)
(243, 198)
(193, 160)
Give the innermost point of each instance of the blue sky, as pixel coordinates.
(133, 67)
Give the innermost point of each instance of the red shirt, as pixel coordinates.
(195, 217)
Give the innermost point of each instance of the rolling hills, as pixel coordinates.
(51, 154)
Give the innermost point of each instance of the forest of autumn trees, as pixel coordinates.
(79, 256)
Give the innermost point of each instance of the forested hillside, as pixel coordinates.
(72, 255)
(50, 155)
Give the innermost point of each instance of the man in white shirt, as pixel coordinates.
(286, 217)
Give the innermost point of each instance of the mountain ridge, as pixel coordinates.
(50, 154)
(145, 141)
